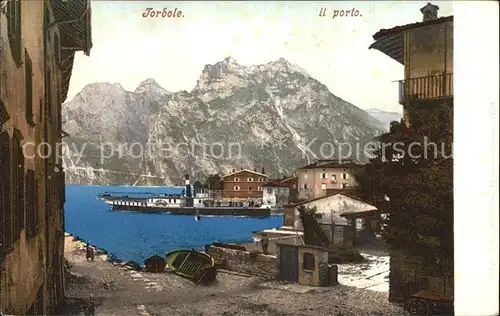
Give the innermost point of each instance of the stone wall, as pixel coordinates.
(272, 245)
(264, 266)
(410, 274)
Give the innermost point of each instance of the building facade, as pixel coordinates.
(315, 179)
(329, 210)
(291, 182)
(275, 193)
(37, 46)
(425, 49)
(243, 185)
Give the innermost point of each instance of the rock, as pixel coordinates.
(246, 109)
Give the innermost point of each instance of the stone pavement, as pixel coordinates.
(115, 289)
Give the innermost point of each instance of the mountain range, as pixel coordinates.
(385, 118)
(273, 116)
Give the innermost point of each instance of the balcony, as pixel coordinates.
(426, 88)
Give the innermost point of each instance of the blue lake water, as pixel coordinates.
(137, 236)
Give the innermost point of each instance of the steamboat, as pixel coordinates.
(187, 203)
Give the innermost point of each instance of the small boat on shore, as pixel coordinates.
(194, 265)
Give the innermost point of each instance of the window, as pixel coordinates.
(344, 185)
(250, 180)
(305, 186)
(345, 176)
(48, 95)
(236, 188)
(323, 186)
(334, 178)
(269, 191)
(6, 218)
(318, 216)
(236, 179)
(305, 171)
(28, 86)
(324, 175)
(14, 30)
(259, 188)
(31, 204)
(250, 189)
(57, 50)
(18, 177)
(4, 116)
(308, 261)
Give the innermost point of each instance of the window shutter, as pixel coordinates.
(6, 227)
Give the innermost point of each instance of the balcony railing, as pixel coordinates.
(426, 88)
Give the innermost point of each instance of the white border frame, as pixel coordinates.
(476, 157)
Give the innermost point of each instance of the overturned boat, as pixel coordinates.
(194, 265)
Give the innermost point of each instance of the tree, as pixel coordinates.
(412, 181)
(197, 186)
(313, 234)
(214, 182)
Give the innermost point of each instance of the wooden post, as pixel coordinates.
(445, 57)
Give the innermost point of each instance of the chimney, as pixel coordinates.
(263, 171)
(234, 170)
(429, 12)
(255, 169)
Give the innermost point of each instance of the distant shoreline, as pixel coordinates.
(126, 186)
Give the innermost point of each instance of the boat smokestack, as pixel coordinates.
(188, 186)
(189, 195)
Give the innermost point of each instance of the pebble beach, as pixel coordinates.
(106, 288)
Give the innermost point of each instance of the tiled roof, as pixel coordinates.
(289, 179)
(327, 196)
(331, 164)
(397, 29)
(276, 183)
(245, 170)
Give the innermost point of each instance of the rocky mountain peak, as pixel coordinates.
(92, 88)
(283, 65)
(273, 115)
(150, 85)
(230, 60)
(92, 93)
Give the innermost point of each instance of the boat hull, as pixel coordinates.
(202, 211)
(190, 264)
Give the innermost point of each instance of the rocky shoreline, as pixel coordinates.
(111, 288)
(78, 248)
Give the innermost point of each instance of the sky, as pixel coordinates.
(129, 48)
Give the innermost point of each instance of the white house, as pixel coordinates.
(329, 208)
(275, 193)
